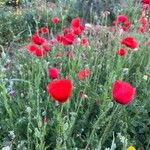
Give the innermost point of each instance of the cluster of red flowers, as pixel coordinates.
(39, 46)
(61, 89)
(130, 42)
(122, 22)
(143, 22)
(71, 33)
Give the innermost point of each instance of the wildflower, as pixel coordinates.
(31, 47)
(84, 42)
(130, 42)
(53, 73)
(123, 92)
(88, 26)
(55, 20)
(60, 90)
(83, 73)
(39, 52)
(127, 23)
(75, 23)
(45, 46)
(44, 30)
(146, 1)
(34, 49)
(59, 38)
(68, 39)
(124, 28)
(123, 21)
(121, 52)
(121, 18)
(12, 134)
(145, 77)
(76, 26)
(131, 148)
(36, 39)
(53, 41)
(144, 25)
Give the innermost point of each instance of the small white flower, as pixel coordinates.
(12, 134)
(88, 26)
(145, 77)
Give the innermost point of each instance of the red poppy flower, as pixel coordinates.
(45, 46)
(31, 47)
(77, 31)
(53, 73)
(123, 92)
(60, 90)
(127, 23)
(130, 42)
(121, 18)
(76, 26)
(84, 42)
(44, 30)
(59, 38)
(121, 52)
(39, 52)
(146, 1)
(68, 39)
(124, 28)
(76, 22)
(83, 73)
(55, 19)
(37, 39)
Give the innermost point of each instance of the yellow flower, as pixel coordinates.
(131, 148)
(17, 2)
